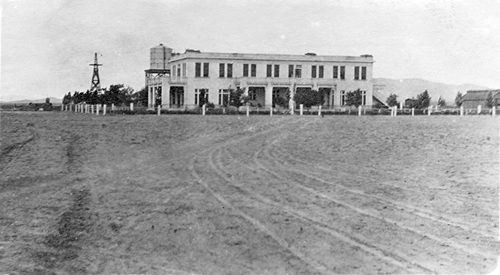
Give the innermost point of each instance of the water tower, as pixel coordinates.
(159, 57)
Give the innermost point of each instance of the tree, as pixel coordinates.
(354, 98)
(309, 97)
(489, 100)
(423, 100)
(392, 100)
(441, 102)
(67, 98)
(140, 98)
(459, 99)
(237, 97)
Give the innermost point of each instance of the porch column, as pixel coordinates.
(153, 94)
(330, 103)
(268, 101)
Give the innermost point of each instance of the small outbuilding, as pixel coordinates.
(474, 98)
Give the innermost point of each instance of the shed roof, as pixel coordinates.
(480, 95)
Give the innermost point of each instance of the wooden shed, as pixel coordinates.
(474, 98)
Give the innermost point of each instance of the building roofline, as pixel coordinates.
(271, 57)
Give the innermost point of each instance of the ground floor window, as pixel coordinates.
(363, 98)
(342, 98)
(224, 97)
(200, 96)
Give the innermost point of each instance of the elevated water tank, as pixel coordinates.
(160, 55)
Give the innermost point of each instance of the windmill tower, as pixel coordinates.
(96, 83)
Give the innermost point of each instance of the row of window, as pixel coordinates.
(250, 70)
(201, 96)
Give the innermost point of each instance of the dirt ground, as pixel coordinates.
(83, 194)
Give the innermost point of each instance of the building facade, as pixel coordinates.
(186, 80)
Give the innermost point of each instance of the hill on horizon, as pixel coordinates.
(53, 100)
(410, 88)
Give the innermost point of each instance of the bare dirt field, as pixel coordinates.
(84, 194)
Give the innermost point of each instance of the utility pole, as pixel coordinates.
(96, 84)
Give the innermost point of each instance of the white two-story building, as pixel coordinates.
(180, 80)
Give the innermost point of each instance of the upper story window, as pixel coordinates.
(197, 70)
(229, 70)
(225, 70)
(254, 70)
(313, 71)
(205, 69)
(245, 70)
(269, 71)
(173, 70)
(179, 70)
(335, 71)
(221, 70)
(321, 71)
(184, 70)
(342, 72)
(356, 73)
(276, 70)
(298, 71)
(295, 73)
(363, 73)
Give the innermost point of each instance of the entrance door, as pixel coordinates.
(176, 97)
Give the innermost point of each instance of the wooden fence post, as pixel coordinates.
(462, 110)
(271, 111)
(159, 110)
(203, 109)
(131, 106)
(248, 111)
(478, 109)
(319, 110)
(412, 111)
(104, 110)
(359, 110)
(493, 111)
(301, 109)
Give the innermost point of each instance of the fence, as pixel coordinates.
(247, 110)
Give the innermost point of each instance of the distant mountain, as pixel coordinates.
(53, 100)
(410, 88)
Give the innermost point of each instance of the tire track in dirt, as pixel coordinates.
(399, 206)
(396, 187)
(285, 246)
(12, 152)
(354, 241)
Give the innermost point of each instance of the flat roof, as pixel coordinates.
(272, 57)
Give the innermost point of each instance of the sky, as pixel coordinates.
(47, 45)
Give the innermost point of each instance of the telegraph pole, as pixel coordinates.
(96, 84)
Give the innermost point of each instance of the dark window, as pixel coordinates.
(269, 72)
(197, 70)
(313, 71)
(290, 70)
(205, 69)
(321, 71)
(229, 70)
(254, 70)
(298, 71)
(276, 70)
(245, 70)
(356, 73)
(363, 73)
(221, 70)
(335, 71)
(342, 72)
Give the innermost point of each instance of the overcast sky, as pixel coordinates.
(47, 45)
